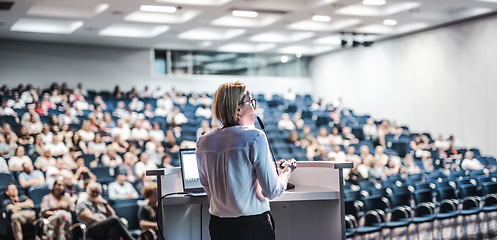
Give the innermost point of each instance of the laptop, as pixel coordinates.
(189, 172)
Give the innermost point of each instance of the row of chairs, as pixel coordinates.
(402, 201)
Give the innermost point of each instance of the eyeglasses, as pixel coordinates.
(95, 192)
(252, 102)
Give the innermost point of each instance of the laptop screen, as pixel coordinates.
(189, 169)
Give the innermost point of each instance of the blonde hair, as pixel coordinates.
(226, 99)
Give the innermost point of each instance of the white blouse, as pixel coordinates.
(232, 162)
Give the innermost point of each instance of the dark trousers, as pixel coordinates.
(111, 228)
(256, 227)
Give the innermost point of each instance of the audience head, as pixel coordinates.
(379, 150)
(336, 148)
(59, 188)
(351, 150)
(27, 167)
(370, 121)
(306, 130)
(469, 155)
(11, 190)
(94, 189)
(144, 157)
(323, 132)
(166, 159)
(334, 131)
(67, 179)
(364, 149)
(19, 151)
(150, 193)
(121, 178)
(60, 164)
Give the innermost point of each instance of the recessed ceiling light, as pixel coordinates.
(284, 59)
(161, 9)
(390, 22)
(298, 55)
(321, 18)
(240, 13)
(374, 2)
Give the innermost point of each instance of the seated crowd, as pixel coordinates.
(60, 139)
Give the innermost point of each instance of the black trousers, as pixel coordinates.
(111, 228)
(256, 227)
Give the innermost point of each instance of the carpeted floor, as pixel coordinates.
(478, 226)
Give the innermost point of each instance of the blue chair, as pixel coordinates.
(448, 203)
(425, 210)
(103, 174)
(37, 195)
(470, 200)
(490, 193)
(6, 179)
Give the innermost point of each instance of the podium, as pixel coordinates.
(312, 210)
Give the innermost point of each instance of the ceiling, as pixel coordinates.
(281, 26)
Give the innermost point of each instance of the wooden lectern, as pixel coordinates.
(312, 210)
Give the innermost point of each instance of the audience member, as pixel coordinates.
(204, 128)
(348, 137)
(46, 134)
(293, 138)
(121, 130)
(323, 138)
(6, 110)
(128, 167)
(204, 111)
(471, 163)
(337, 155)
(376, 171)
(143, 165)
(16, 161)
(85, 133)
(53, 173)
(286, 123)
(57, 147)
(22, 210)
(139, 133)
(306, 136)
(99, 217)
(120, 110)
(122, 189)
(71, 188)
(136, 104)
(320, 154)
(170, 142)
(166, 161)
(15, 102)
(298, 121)
(68, 117)
(56, 207)
(30, 177)
(82, 173)
(410, 166)
(147, 214)
(97, 146)
(45, 161)
(335, 137)
(111, 158)
(156, 133)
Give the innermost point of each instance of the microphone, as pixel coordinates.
(288, 185)
(270, 148)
